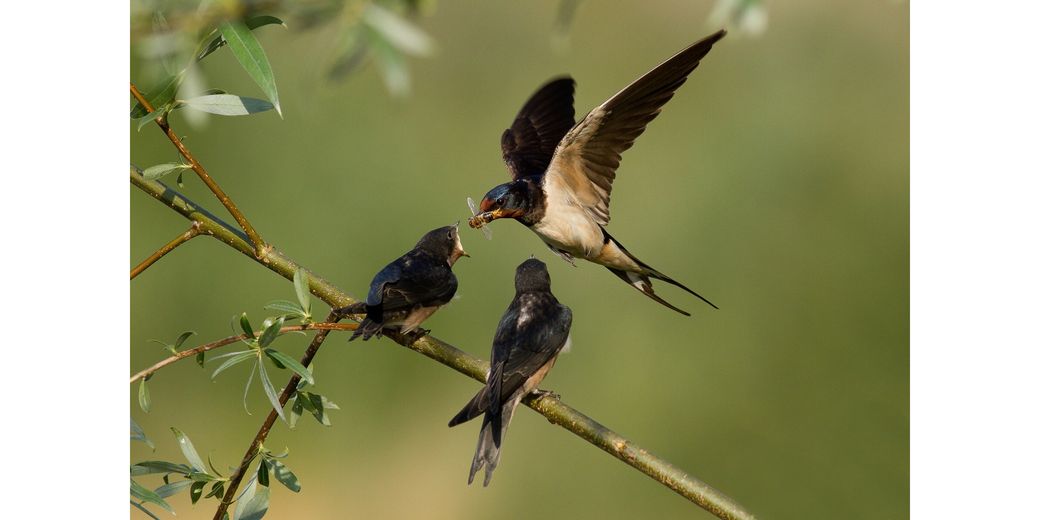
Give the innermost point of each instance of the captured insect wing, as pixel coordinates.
(475, 210)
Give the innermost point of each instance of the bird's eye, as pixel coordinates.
(500, 201)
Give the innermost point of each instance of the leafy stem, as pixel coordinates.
(325, 327)
(164, 125)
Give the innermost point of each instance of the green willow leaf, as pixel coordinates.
(284, 475)
(152, 116)
(249, 382)
(147, 512)
(200, 358)
(168, 490)
(160, 96)
(182, 338)
(143, 397)
(295, 412)
(263, 476)
(160, 170)
(247, 329)
(148, 467)
(217, 490)
(290, 308)
(196, 491)
(146, 495)
(271, 332)
(232, 361)
(228, 105)
(137, 434)
(252, 23)
(271, 394)
(256, 507)
(251, 56)
(303, 290)
(189, 451)
(291, 364)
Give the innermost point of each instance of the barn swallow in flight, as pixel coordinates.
(532, 332)
(562, 173)
(410, 289)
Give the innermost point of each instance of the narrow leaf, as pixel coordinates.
(256, 507)
(137, 434)
(245, 394)
(287, 307)
(271, 332)
(217, 490)
(168, 490)
(232, 361)
(246, 496)
(159, 96)
(303, 289)
(196, 491)
(148, 467)
(263, 477)
(146, 495)
(251, 56)
(247, 329)
(284, 475)
(295, 412)
(152, 116)
(228, 105)
(271, 394)
(189, 451)
(253, 23)
(142, 508)
(143, 397)
(182, 338)
(154, 172)
(318, 406)
(200, 358)
(291, 364)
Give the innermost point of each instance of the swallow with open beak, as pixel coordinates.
(563, 172)
(531, 333)
(410, 289)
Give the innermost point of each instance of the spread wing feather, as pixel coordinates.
(589, 155)
(528, 145)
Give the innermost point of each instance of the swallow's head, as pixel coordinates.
(443, 242)
(515, 199)
(532, 275)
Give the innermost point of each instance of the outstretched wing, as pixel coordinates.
(527, 145)
(590, 153)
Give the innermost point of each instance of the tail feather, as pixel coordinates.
(372, 325)
(489, 443)
(648, 272)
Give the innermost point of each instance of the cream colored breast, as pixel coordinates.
(566, 225)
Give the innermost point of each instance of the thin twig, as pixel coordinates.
(325, 327)
(553, 409)
(265, 428)
(191, 233)
(254, 237)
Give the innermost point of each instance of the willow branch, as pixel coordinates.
(164, 125)
(232, 339)
(265, 428)
(697, 491)
(191, 233)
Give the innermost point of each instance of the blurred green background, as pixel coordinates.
(776, 183)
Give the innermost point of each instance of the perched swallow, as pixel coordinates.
(410, 289)
(562, 173)
(532, 332)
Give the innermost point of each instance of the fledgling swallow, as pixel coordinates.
(562, 173)
(531, 333)
(410, 289)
